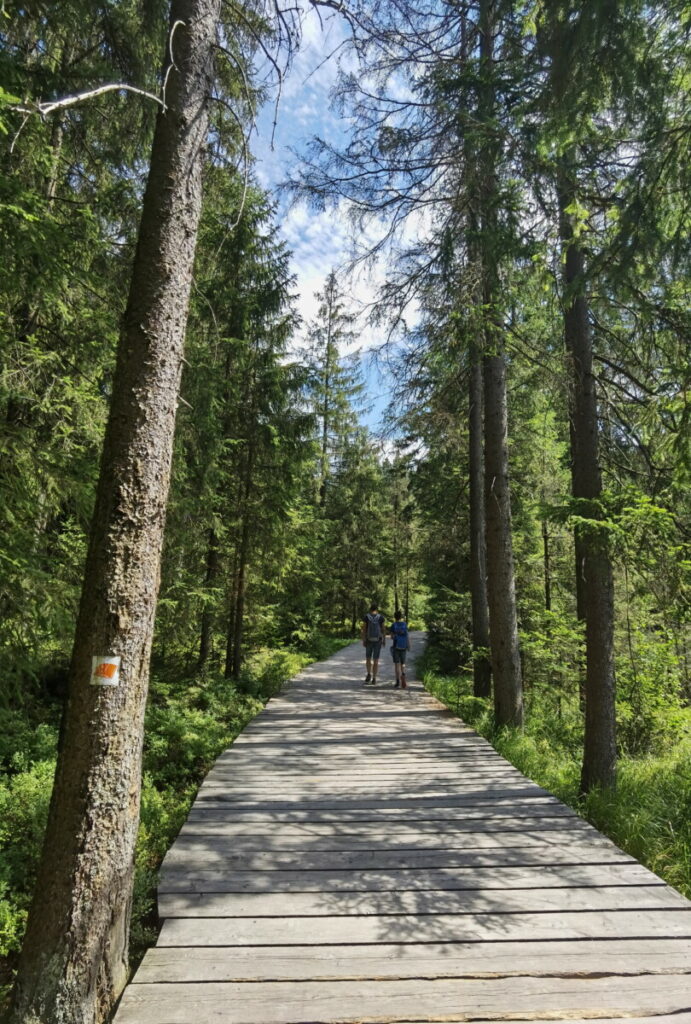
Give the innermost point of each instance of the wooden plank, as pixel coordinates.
(388, 814)
(363, 856)
(363, 803)
(462, 835)
(389, 1001)
(220, 865)
(488, 849)
(376, 777)
(476, 927)
(427, 901)
(440, 960)
(277, 790)
(412, 879)
(221, 825)
(347, 813)
(389, 773)
(215, 846)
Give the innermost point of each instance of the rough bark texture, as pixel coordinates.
(210, 578)
(482, 673)
(236, 625)
(547, 571)
(594, 562)
(501, 593)
(74, 960)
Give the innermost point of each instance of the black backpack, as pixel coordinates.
(373, 627)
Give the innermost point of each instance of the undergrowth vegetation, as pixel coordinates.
(189, 721)
(649, 813)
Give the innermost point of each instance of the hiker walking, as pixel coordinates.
(400, 645)
(372, 635)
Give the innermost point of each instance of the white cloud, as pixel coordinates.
(323, 241)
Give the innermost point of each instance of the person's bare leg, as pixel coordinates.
(375, 666)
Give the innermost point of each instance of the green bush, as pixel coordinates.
(24, 741)
(189, 722)
(24, 802)
(648, 815)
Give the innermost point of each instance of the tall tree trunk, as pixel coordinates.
(241, 590)
(212, 565)
(232, 609)
(324, 462)
(501, 594)
(546, 567)
(74, 959)
(235, 635)
(482, 672)
(599, 754)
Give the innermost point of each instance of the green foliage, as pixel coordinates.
(24, 801)
(648, 815)
(189, 722)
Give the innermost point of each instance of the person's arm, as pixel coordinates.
(363, 632)
(382, 626)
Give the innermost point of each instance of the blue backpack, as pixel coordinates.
(400, 635)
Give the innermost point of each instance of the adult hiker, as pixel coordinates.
(372, 635)
(400, 645)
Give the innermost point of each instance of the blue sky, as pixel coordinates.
(319, 242)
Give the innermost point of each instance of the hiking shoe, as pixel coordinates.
(368, 678)
(396, 685)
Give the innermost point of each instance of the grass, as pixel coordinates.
(649, 813)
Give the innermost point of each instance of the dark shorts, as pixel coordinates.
(398, 655)
(373, 649)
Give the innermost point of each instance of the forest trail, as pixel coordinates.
(359, 855)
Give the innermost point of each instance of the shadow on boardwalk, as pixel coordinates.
(360, 855)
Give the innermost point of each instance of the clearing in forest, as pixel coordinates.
(360, 855)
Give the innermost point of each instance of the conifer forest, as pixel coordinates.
(191, 482)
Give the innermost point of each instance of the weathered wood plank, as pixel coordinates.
(388, 1001)
(477, 927)
(278, 838)
(488, 849)
(441, 960)
(387, 814)
(220, 824)
(363, 856)
(398, 879)
(428, 901)
(313, 784)
(363, 803)
(221, 865)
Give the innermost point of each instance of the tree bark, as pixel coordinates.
(501, 593)
(237, 621)
(546, 567)
(482, 672)
(211, 575)
(239, 616)
(592, 546)
(74, 960)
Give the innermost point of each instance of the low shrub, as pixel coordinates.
(649, 813)
(189, 722)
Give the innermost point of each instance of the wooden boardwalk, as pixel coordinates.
(359, 855)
